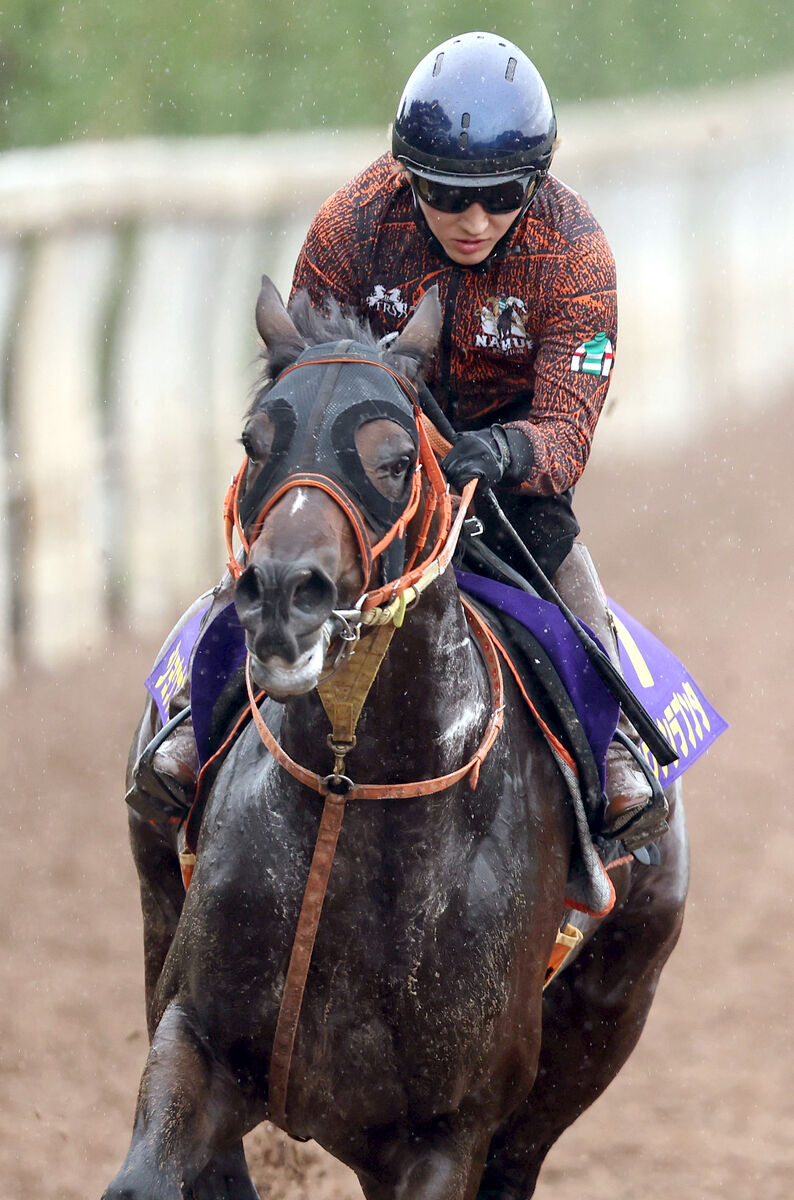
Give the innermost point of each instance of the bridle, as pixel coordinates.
(382, 610)
(437, 499)
(387, 603)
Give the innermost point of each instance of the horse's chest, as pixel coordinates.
(401, 1007)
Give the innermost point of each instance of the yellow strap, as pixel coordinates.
(567, 940)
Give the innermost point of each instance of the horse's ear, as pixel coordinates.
(420, 336)
(276, 327)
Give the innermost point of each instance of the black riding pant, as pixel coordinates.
(546, 524)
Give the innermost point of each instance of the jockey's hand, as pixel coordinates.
(480, 454)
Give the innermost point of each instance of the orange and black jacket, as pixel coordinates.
(528, 337)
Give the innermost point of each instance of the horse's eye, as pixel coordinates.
(257, 437)
(401, 466)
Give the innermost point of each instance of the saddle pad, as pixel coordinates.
(688, 720)
(665, 687)
(217, 659)
(595, 707)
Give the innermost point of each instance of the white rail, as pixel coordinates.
(128, 275)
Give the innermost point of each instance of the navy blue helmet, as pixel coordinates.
(475, 112)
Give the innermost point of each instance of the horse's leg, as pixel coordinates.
(188, 1106)
(442, 1162)
(593, 1016)
(225, 1177)
(162, 895)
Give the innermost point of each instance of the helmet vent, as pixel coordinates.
(465, 121)
(512, 63)
(437, 64)
(463, 140)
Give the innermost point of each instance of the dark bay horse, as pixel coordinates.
(425, 1053)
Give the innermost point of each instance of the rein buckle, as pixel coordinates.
(340, 751)
(349, 620)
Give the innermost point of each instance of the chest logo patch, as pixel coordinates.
(388, 301)
(503, 322)
(594, 357)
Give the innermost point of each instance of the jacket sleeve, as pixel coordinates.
(325, 266)
(572, 370)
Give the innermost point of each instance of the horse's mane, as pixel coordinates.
(331, 323)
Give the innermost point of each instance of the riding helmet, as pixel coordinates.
(475, 112)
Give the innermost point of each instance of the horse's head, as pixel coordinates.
(330, 481)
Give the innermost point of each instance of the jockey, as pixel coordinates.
(526, 282)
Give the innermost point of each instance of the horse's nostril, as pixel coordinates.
(314, 593)
(248, 591)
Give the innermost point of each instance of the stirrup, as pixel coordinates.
(649, 822)
(149, 786)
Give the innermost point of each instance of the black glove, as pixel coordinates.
(481, 454)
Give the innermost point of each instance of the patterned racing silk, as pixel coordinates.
(528, 337)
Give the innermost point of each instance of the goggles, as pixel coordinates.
(496, 199)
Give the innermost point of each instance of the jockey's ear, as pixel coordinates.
(276, 327)
(420, 336)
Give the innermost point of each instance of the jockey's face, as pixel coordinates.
(468, 237)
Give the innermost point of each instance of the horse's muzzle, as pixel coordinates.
(281, 679)
(283, 608)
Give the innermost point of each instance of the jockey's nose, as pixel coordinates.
(474, 219)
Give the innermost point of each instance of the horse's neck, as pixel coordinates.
(433, 671)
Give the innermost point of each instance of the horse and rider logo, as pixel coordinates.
(503, 320)
(388, 300)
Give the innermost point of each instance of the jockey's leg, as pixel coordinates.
(630, 802)
(175, 762)
(548, 527)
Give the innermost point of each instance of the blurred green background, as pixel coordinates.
(99, 69)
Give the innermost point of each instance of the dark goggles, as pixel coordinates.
(497, 199)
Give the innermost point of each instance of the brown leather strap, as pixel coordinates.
(421, 787)
(300, 958)
(328, 835)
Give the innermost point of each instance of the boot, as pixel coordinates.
(164, 778)
(633, 811)
(176, 764)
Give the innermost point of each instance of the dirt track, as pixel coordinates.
(705, 1107)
